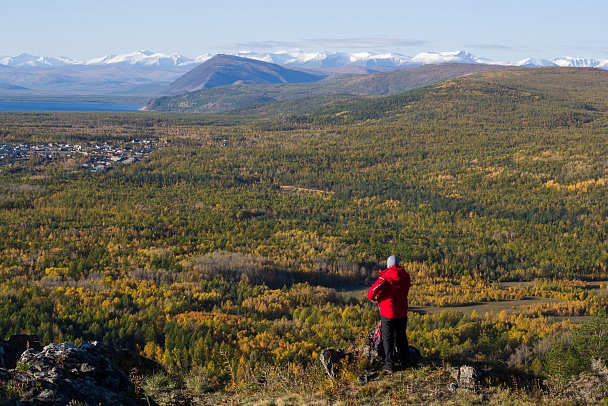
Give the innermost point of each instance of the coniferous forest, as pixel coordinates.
(243, 244)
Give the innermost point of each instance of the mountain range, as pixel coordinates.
(228, 82)
(140, 76)
(297, 58)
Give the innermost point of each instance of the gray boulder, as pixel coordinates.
(467, 378)
(64, 373)
(333, 359)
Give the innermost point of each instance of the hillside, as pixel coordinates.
(242, 96)
(225, 70)
(9, 87)
(236, 247)
(130, 83)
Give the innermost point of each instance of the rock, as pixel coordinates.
(63, 373)
(11, 349)
(367, 377)
(587, 389)
(332, 359)
(467, 377)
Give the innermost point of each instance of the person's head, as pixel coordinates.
(392, 261)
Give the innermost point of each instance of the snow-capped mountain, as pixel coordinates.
(580, 62)
(427, 58)
(298, 58)
(534, 63)
(40, 61)
(371, 60)
(143, 58)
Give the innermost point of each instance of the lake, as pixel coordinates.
(8, 105)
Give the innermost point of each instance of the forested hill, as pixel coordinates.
(516, 98)
(238, 247)
(226, 98)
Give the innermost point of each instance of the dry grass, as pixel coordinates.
(426, 385)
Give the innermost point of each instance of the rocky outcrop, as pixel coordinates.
(11, 349)
(62, 373)
(332, 359)
(467, 378)
(590, 387)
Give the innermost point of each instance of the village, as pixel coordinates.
(98, 156)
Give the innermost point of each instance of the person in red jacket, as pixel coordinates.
(390, 291)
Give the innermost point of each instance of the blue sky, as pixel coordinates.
(506, 30)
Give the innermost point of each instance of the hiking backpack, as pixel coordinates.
(373, 342)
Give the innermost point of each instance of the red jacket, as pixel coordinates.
(390, 291)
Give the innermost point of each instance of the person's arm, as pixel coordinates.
(374, 292)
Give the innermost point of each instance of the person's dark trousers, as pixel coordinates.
(394, 334)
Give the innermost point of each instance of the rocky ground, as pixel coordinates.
(62, 374)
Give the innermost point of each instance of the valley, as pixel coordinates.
(223, 255)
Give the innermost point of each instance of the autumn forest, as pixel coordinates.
(244, 244)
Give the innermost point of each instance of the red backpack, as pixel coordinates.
(374, 341)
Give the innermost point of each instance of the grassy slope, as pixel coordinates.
(242, 96)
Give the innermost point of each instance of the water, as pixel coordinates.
(8, 105)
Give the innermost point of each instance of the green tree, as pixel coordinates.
(574, 354)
